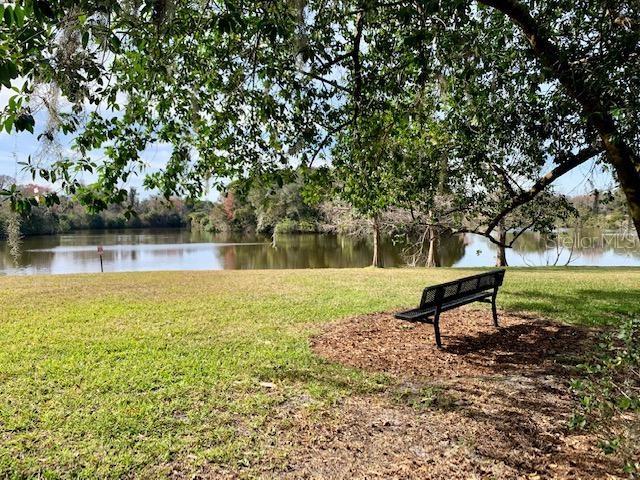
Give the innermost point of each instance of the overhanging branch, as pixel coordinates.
(569, 162)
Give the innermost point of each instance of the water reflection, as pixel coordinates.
(452, 249)
(579, 247)
(185, 250)
(310, 251)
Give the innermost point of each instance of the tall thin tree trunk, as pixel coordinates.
(501, 257)
(595, 208)
(377, 256)
(433, 257)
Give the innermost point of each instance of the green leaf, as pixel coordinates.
(624, 403)
(8, 71)
(8, 15)
(8, 123)
(115, 43)
(18, 15)
(24, 122)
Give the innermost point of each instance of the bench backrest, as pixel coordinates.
(445, 292)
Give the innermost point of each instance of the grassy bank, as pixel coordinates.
(149, 373)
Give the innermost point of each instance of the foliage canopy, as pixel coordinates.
(396, 94)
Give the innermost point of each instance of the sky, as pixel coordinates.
(17, 147)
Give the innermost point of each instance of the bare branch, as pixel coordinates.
(335, 61)
(320, 78)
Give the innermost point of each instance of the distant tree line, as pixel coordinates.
(500, 96)
(70, 215)
(261, 207)
(602, 209)
(294, 206)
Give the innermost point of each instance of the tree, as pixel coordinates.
(586, 73)
(6, 181)
(553, 82)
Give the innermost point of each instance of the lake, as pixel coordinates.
(139, 250)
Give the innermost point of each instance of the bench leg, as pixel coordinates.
(436, 328)
(494, 310)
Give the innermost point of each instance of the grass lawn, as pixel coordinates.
(152, 373)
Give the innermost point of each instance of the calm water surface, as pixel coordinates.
(136, 250)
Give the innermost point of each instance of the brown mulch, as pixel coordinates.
(493, 403)
(472, 346)
(373, 437)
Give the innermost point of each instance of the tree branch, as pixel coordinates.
(506, 179)
(570, 162)
(333, 83)
(590, 94)
(335, 61)
(521, 231)
(325, 140)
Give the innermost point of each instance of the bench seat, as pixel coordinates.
(422, 314)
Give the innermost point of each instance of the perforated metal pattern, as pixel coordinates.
(431, 295)
(465, 287)
(450, 290)
(428, 296)
(469, 285)
(487, 281)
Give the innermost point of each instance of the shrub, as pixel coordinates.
(115, 222)
(307, 226)
(201, 222)
(96, 222)
(609, 394)
(134, 222)
(287, 226)
(64, 225)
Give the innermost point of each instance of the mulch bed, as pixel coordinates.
(497, 404)
(472, 345)
(373, 437)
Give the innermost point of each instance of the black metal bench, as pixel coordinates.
(450, 295)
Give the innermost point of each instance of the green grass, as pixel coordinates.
(141, 373)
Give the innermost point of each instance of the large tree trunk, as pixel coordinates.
(433, 257)
(627, 167)
(590, 96)
(377, 255)
(501, 257)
